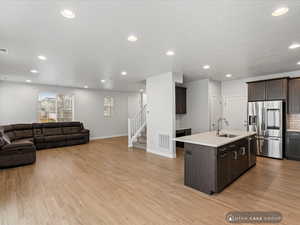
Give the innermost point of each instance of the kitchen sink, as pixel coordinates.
(227, 135)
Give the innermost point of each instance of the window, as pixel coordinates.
(108, 106)
(55, 107)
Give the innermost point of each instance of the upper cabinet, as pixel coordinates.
(257, 91)
(275, 89)
(294, 96)
(180, 100)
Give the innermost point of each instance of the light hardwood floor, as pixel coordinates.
(104, 182)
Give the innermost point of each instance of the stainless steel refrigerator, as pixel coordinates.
(266, 118)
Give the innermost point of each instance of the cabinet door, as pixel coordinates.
(292, 145)
(180, 100)
(188, 168)
(257, 91)
(276, 89)
(294, 96)
(252, 150)
(224, 168)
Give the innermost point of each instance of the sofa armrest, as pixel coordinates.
(85, 131)
(17, 146)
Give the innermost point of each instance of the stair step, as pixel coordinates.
(140, 146)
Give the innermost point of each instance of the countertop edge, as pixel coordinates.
(214, 145)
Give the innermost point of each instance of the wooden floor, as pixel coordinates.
(104, 182)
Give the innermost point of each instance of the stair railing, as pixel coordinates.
(136, 125)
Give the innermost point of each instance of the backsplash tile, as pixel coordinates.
(293, 121)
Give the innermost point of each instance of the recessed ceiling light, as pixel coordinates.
(28, 81)
(228, 75)
(124, 73)
(298, 63)
(34, 71)
(85, 86)
(42, 57)
(132, 38)
(67, 14)
(3, 50)
(280, 11)
(294, 45)
(103, 81)
(206, 67)
(141, 90)
(170, 53)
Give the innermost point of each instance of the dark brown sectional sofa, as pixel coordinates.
(18, 143)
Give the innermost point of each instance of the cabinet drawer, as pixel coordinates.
(292, 146)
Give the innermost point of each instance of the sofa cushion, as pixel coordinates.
(18, 146)
(19, 134)
(9, 132)
(22, 127)
(2, 142)
(39, 139)
(52, 131)
(75, 136)
(20, 141)
(37, 129)
(71, 130)
(55, 138)
(72, 124)
(6, 139)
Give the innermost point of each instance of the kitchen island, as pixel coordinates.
(212, 161)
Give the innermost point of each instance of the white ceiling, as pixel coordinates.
(233, 36)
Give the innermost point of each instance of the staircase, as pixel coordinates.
(137, 132)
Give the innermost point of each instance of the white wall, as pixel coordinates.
(215, 103)
(235, 95)
(134, 104)
(197, 116)
(18, 104)
(161, 113)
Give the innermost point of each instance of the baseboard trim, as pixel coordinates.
(111, 136)
(168, 155)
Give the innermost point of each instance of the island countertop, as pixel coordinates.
(212, 140)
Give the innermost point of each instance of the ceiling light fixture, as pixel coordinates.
(34, 71)
(170, 53)
(42, 57)
(298, 63)
(206, 67)
(228, 75)
(294, 45)
(124, 73)
(103, 81)
(132, 38)
(28, 81)
(3, 50)
(67, 14)
(85, 86)
(280, 11)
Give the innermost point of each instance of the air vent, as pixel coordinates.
(3, 50)
(164, 141)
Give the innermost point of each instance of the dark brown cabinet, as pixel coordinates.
(181, 133)
(180, 100)
(224, 168)
(294, 96)
(275, 89)
(292, 145)
(210, 170)
(257, 91)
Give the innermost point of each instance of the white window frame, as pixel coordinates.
(108, 106)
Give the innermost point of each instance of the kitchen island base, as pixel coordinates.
(211, 169)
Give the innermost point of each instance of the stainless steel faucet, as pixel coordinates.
(219, 123)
